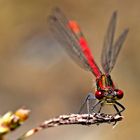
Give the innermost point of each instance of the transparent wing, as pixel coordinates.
(110, 50)
(88, 104)
(117, 47)
(63, 34)
(68, 33)
(108, 43)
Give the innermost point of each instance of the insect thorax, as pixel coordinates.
(104, 82)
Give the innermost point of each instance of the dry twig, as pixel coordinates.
(83, 119)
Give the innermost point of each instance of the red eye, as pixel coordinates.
(99, 95)
(119, 93)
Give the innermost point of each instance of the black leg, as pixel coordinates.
(100, 108)
(120, 105)
(99, 102)
(118, 112)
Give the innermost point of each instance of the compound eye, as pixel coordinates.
(119, 93)
(99, 95)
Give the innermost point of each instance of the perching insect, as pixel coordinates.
(69, 34)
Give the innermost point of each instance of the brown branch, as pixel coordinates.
(2, 138)
(83, 119)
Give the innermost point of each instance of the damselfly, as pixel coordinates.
(69, 34)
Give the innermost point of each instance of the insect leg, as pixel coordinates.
(101, 105)
(120, 105)
(118, 111)
(99, 102)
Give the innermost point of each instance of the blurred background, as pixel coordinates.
(35, 71)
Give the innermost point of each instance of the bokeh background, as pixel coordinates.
(35, 72)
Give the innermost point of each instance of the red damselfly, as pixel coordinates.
(69, 34)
